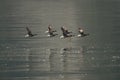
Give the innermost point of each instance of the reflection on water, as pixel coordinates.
(53, 60)
(65, 63)
(66, 60)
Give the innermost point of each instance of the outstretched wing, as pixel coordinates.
(28, 30)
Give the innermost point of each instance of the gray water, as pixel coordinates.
(94, 57)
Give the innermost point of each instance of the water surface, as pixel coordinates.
(93, 57)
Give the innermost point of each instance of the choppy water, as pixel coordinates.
(94, 57)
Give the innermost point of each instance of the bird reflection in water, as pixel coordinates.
(65, 59)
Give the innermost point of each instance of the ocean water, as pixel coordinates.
(93, 57)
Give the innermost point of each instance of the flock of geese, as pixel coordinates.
(51, 33)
